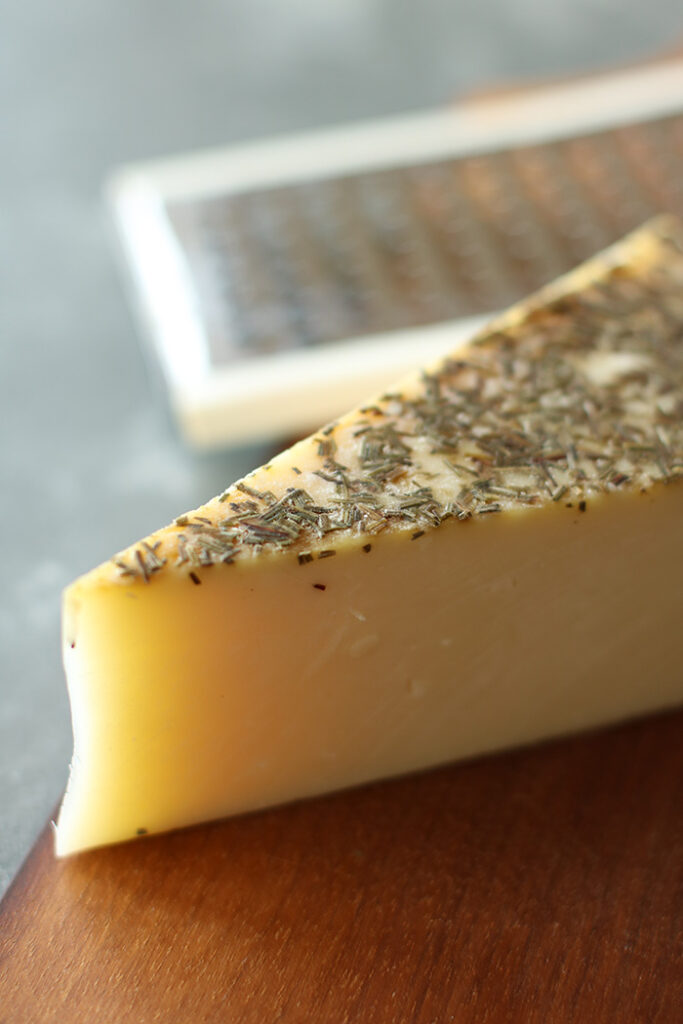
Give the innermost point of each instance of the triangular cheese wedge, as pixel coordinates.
(489, 554)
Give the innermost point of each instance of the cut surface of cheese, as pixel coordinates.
(489, 554)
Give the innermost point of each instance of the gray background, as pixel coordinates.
(89, 461)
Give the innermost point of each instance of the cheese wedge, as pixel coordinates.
(489, 554)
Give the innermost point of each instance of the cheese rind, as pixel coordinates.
(486, 556)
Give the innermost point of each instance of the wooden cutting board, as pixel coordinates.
(539, 886)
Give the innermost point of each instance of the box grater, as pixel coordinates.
(282, 281)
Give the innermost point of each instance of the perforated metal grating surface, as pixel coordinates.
(380, 250)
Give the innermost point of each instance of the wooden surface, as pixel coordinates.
(544, 885)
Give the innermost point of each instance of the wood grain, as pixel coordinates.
(543, 885)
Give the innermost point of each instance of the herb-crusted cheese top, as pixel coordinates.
(574, 393)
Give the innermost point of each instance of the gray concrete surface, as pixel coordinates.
(88, 460)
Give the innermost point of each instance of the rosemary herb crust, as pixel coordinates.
(573, 394)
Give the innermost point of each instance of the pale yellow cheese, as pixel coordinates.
(423, 601)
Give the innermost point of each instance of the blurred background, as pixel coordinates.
(89, 460)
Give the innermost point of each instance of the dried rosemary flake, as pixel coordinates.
(153, 560)
(328, 476)
(142, 564)
(327, 446)
(265, 496)
(461, 468)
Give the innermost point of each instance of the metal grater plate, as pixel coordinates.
(342, 257)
